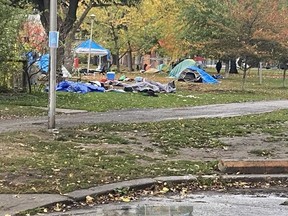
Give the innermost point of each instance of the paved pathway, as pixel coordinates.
(148, 115)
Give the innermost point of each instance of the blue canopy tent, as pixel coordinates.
(92, 48)
(89, 46)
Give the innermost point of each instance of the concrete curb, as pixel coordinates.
(79, 195)
(105, 189)
(267, 166)
(256, 177)
(132, 184)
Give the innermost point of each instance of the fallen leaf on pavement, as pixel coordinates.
(126, 199)
(164, 190)
(57, 208)
(89, 199)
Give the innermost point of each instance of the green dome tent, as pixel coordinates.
(176, 71)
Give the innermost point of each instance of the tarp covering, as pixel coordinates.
(147, 85)
(181, 67)
(206, 78)
(70, 86)
(43, 63)
(31, 57)
(92, 47)
(144, 86)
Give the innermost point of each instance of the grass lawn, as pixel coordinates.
(188, 94)
(86, 156)
(80, 157)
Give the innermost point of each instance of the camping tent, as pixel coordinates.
(91, 47)
(181, 66)
(196, 74)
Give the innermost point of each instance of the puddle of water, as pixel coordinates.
(148, 210)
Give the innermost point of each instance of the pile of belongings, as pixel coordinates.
(147, 87)
(150, 87)
(142, 85)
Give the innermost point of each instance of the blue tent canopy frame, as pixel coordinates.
(90, 46)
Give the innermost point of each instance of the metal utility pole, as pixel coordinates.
(53, 44)
(92, 16)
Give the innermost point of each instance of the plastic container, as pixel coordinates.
(138, 79)
(110, 75)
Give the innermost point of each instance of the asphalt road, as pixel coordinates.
(205, 204)
(147, 115)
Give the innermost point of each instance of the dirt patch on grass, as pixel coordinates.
(138, 144)
(243, 147)
(254, 146)
(13, 150)
(74, 158)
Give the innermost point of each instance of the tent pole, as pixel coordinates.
(92, 16)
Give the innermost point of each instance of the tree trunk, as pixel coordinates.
(63, 51)
(284, 76)
(60, 58)
(244, 75)
(260, 72)
(68, 55)
(116, 46)
(117, 57)
(233, 67)
(129, 55)
(227, 68)
(67, 24)
(138, 61)
(25, 77)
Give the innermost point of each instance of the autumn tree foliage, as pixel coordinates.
(249, 29)
(111, 30)
(158, 26)
(68, 21)
(10, 22)
(148, 26)
(167, 25)
(128, 30)
(33, 35)
(228, 29)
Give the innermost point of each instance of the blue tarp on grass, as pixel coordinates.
(78, 87)
(206, 78)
